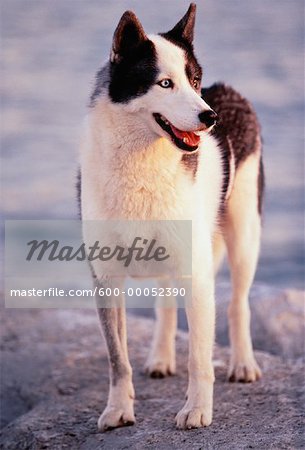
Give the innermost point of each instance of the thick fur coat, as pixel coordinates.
(157, 147)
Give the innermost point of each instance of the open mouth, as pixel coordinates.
(185, 140)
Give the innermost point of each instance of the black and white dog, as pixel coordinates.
(157, 146)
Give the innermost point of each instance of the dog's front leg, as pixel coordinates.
(119, 410)
(200, 310)
(162, 359)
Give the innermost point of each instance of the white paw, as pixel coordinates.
(160, 367)
(245, 370)
(114, 417)
(193, 417)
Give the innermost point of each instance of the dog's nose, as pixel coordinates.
(208, 117)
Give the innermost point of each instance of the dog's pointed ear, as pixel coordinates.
(129, 34)
(184, 29)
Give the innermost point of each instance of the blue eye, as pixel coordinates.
(166, 83)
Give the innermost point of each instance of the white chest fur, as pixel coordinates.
(138, 177)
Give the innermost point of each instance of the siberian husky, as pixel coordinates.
(156, 146)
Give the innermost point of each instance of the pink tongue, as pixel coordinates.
(189, 137)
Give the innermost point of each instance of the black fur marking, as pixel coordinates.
(236, 120)
(133, 62)
(193, 69)
(226, 157)
(133, 76)
(133, 68)
(182, 35)
(109, 321)
(101, 81)
(190, 162)
(261, 186)
(237, 129)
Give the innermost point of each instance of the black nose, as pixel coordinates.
(208, 117)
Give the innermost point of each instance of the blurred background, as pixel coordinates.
(51, 51)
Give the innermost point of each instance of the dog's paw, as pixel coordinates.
(195, 417)
(244, 370)
(160, 367)
(114, 417)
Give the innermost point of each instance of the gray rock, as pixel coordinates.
(277, 323)
(55, 382)
(277, 319)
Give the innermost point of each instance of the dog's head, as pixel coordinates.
(159, 76)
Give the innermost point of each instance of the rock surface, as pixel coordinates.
(55, 382)
(277, 319)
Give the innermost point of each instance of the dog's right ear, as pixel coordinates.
(129, 34)
(184, 29)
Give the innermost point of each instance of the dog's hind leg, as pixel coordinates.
(219, 248)
(162, 359)
(119, 410)
(242, 230)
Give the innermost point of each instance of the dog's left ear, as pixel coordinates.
(184, 30)
(129, 34)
